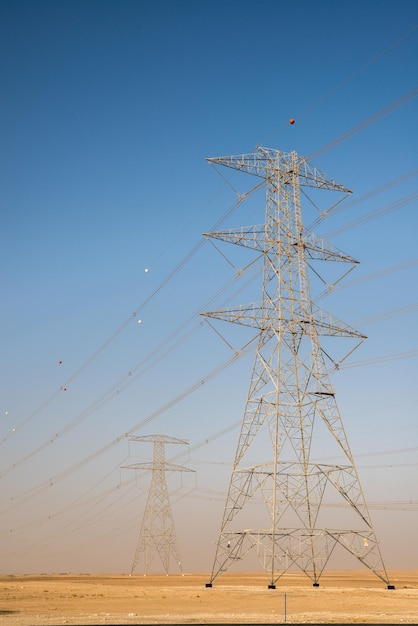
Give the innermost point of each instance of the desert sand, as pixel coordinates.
(349, 597)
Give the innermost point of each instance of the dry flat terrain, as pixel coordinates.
(343, 597)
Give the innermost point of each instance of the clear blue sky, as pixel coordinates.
(108, 111)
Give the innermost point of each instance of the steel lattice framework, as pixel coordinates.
(290, 395)
(157, 535)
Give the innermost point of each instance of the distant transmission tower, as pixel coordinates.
(278, 494)
(157, 535)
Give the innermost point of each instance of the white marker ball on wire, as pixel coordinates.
(139, 321)
(146, 270)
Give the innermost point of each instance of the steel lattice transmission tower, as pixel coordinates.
(290, 397)
(157, 535)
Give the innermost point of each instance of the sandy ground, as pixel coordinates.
(343, 597)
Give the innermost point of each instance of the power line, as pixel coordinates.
(393, 206)
(128, 380)
(350, 77)
(365, 123)
(348, 204)
(177, 268)
(381, 359)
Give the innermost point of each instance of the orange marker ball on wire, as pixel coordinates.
(292, 121)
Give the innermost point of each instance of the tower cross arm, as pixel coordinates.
(319, 249)
(256, 238)
(328, 325)
(251, 315)
(262, 317)
(279, 167)
(158, 438)
(253, 237)
(152, 465)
